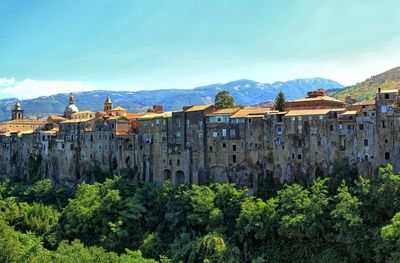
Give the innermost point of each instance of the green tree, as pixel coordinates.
(223, 100)
(280, 102)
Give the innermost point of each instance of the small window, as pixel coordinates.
(386, 96)
(224, 145)
(331, 127)
(215, 134)
(319, 142)
(234, 147)
(178, 162)
(386, 140)
(224, 132)
(234, 158)
(249, 120)
(366, 157)
(366, 142)
(361, 126)
(211, 148)
(299, 157)
(387, 156)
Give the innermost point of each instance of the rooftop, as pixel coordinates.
(254, 112)
(153, 115)
(228, 111)
(319, 98)
(199, 107)
(77, 120)
(293, 113)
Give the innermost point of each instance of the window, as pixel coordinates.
(366, 157)
(319, 142)
(299, 156)
(249, 120)
(157, 122)
(321, 117)
(224, 132)
(331, 127)
(279, 129)
(383, 124)
(300, 118)
(233, 133)
(234, 158)
(178, 134)
(219, 119)
(215, 134)
(234, 147)
(366, 142)
(340, 126)
(211, 148)
(170, 162)
(178, 162)
(293, 118)
(200, 125)
(386, 96)
(361, 127)
(224, 145)
(387, 156)
(386, 140)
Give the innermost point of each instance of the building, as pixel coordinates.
(200, 143)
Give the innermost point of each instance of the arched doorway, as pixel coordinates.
(179, 177)
(166, 175)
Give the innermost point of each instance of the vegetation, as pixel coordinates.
(280, 102)
(223, 100)
(336, 219)
(367, 89)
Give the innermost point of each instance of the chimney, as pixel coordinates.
(158, 108)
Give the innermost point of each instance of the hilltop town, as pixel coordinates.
(201, 143)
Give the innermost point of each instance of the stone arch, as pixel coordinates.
(166, 175)
(128, 161)
(179, 177)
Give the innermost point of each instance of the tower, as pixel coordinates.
(17, 113)
(108, 104)
(71, 108)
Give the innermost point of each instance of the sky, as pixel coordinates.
(49, 47)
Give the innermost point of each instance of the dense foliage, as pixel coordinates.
(120, 220)
(224, 100)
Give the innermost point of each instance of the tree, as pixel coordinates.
(223, 100)
(280, 101)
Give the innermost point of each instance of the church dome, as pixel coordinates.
(71, 108)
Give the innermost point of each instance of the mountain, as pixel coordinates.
(366, 90)
(246, 92)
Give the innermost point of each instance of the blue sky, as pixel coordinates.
(62, 46)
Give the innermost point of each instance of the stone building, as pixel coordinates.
(201, 143)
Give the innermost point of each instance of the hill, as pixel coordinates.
(245, 92)
(367, 89)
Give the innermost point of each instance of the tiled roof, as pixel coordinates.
(26, 122)
(310, 112)
(228, 111)
(198, 107)
(134, 115)
(349, 112)
(364, 102)
(319, 98)
(153, 115)
(119, 108)
(77, 120)
(251, 112)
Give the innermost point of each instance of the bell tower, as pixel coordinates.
(108, 104)
(17, 113)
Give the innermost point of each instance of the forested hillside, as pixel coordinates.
(343, 218)
(366, 90)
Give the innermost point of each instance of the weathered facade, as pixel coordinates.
(200, 143)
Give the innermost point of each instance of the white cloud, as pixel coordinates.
(4, 82)
(30, 88)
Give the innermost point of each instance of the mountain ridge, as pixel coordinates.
(246, 92)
